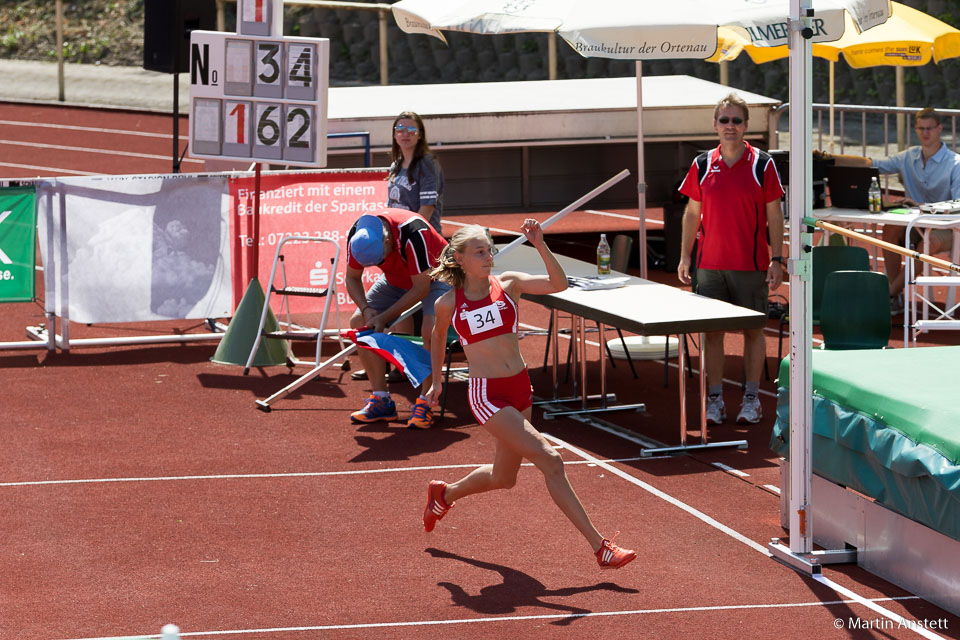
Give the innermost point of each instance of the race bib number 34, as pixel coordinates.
(484, 319)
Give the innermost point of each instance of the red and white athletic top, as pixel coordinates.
(494, 315)
(733, 215)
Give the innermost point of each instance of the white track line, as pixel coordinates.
(662, 495)
(265, 476)
(625, 217)
(896, 618)
(729, 469)
(56, 170)
(63, 147)
(73, 127)
(902, 623)
(610, 214)
(424, 623)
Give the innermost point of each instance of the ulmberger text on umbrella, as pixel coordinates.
(780, 31)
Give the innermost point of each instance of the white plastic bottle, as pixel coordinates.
(876, 203)
(603, 257)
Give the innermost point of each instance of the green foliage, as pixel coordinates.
(108, 31)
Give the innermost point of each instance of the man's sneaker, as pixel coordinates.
(376, 409)
(716, 411)
(421, 417)
(610, 556)
(896, 304)
(750, 411)
(436, 507)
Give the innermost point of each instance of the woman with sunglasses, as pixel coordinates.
(416, 181)
(484, 312)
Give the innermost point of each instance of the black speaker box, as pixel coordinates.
(166, 31)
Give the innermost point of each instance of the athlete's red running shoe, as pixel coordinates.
(436, 507)
(610, 556)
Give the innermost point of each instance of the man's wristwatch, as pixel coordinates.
(780, 259)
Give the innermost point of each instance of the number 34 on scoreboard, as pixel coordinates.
(259, 98)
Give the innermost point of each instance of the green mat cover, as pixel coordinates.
(886, 424)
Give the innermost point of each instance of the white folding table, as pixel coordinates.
(644, 307)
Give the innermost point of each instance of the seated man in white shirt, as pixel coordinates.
(930, 173)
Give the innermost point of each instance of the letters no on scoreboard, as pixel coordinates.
(259, 97)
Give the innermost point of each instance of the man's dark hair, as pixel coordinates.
(929, 114)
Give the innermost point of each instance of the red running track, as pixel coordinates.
(38, 140)
(140, 486)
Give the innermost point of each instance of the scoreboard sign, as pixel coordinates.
(258, 97)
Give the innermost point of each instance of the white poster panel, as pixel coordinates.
(267, 143)
(137, 248)
(269, 77)
(239, 71)
(207, 133)
(237, 125)
(302, 71)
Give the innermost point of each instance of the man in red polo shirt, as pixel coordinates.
(734, 210)
(405, 248)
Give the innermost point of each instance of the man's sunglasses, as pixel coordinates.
(725, 120)
(400, 128)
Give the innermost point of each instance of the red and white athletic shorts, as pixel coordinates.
(489, 395)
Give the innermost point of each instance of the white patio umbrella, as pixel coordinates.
(655, 29)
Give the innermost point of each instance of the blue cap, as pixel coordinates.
(366, 244)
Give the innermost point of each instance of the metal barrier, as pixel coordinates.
(827, 140)
(823, 135)
(365, 136)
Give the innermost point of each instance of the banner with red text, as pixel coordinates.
(321, 204)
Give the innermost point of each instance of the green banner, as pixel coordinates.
(18, 244)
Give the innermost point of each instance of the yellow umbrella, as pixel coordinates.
(908, 38)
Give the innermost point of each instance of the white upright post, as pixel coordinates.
(641, 175)
(830, 147)
(801, 171)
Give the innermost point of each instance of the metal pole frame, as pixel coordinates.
(801, 325)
